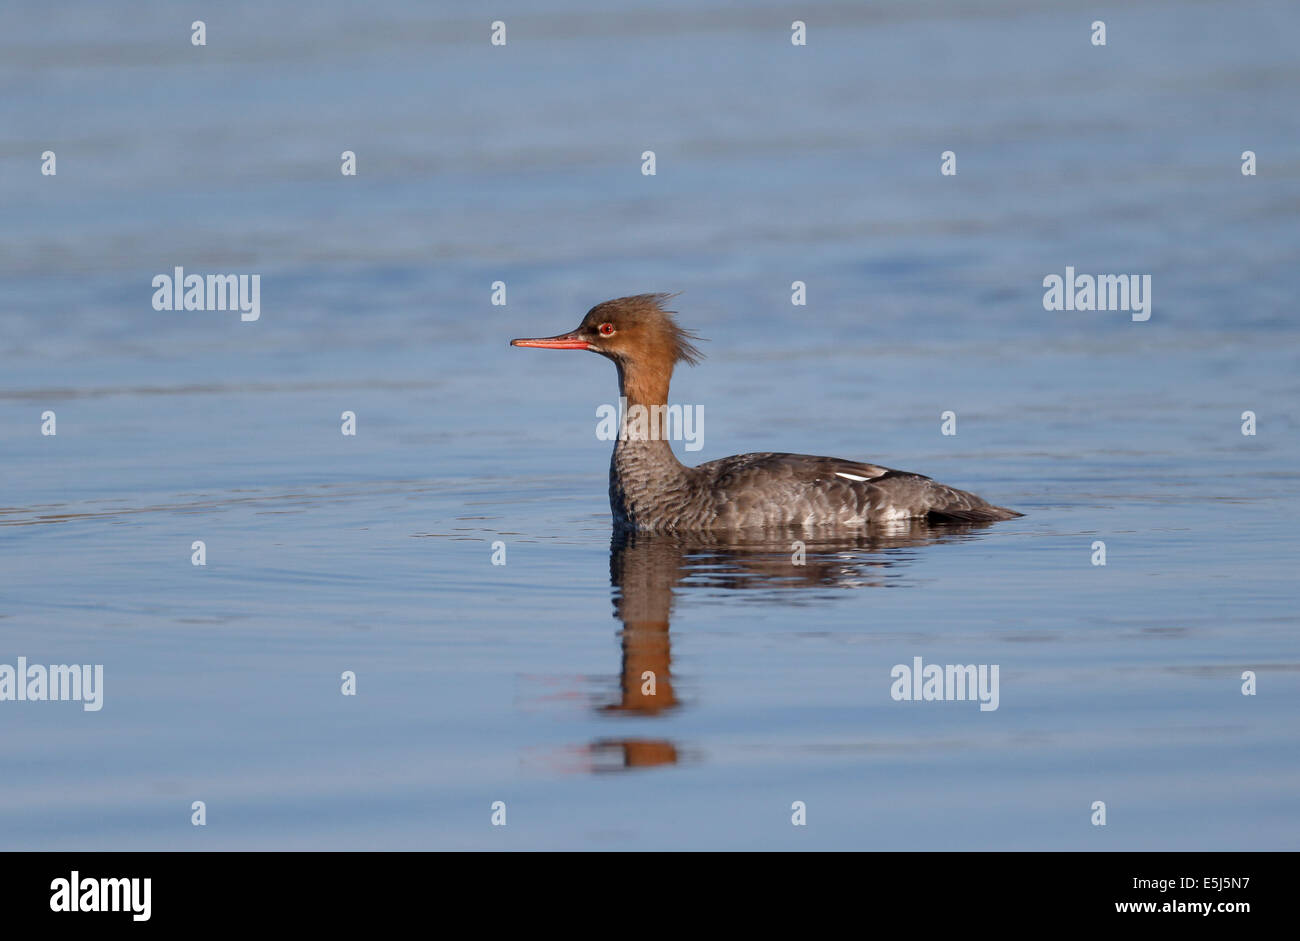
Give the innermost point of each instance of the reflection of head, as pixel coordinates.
(617, 754)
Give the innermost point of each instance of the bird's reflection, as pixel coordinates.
(646, 570)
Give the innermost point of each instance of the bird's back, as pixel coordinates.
(779, 489)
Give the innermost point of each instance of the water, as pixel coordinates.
(521, 683)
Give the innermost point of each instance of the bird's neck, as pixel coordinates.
(645, 477)
(644, 396)
(644, 385)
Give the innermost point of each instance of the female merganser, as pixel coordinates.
(650, 490)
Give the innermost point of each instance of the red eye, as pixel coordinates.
(607, 329)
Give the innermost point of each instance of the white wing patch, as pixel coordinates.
(850, 476)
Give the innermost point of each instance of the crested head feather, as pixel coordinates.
(648, 311)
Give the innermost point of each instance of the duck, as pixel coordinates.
(650, 490)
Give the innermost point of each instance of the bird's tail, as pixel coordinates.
(986, 513)
(917, 496)
(950, 505)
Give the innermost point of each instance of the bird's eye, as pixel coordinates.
(607, 329)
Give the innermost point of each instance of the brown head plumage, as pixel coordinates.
(640, 327)
(639, 335)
